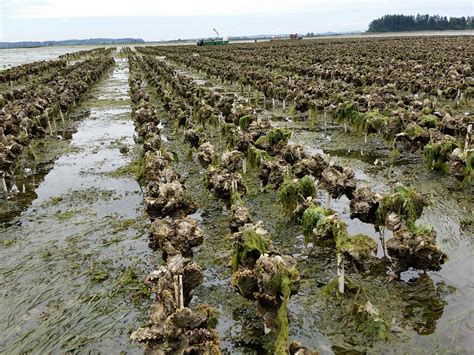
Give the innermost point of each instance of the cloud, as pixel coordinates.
(152, 20)
(35, 9)
(14, 8)
(41, 9)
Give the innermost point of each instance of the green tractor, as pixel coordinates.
(218, 41)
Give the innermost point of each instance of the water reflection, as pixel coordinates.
(423, 304)
(32, 171)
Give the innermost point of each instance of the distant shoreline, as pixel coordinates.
(334, 36)
(70, 42)
(248, 39)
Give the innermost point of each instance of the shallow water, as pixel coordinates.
(451, 207)
(72, 262)
(74, 248)
(17, 56)
(431, 313)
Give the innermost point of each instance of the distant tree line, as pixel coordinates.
(395, 23)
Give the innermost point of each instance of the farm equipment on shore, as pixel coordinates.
(218, 41)
(291, 36)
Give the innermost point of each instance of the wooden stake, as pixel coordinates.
(49, 126)
(233, 186)
(181, 293)
(328, 200)
(4, 185)
(468, 136)
(340, 272)
(382, 241)
(55, 126)
(176, 290)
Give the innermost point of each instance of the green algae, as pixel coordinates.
(281, 341)
(275, 136)
(313, 116)
(359, 246)
(331, 230)
(256, 156)
(348, 110)
(320, 225)
(394, 154)
(294, 192)
(245, 121)
(53, 201)
(123, 225)
(236, 198)
(311, 217)
(428, 121)
(374, 121)
(130, 281)
(68, 214)
(133, 169)
(8, 243)
(436, 154)
(102, 103)
(370, 322)
(253, 244)
(405, 202)
(414, 131)
(469, 168)
(278, 135)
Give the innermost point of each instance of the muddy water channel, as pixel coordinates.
(428, 312)
(73, 248)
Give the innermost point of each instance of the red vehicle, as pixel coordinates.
(295, 36)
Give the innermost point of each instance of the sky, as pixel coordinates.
(39, 20)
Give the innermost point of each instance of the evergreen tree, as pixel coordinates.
(398, 23)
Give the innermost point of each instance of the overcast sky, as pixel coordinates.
(22, 20)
